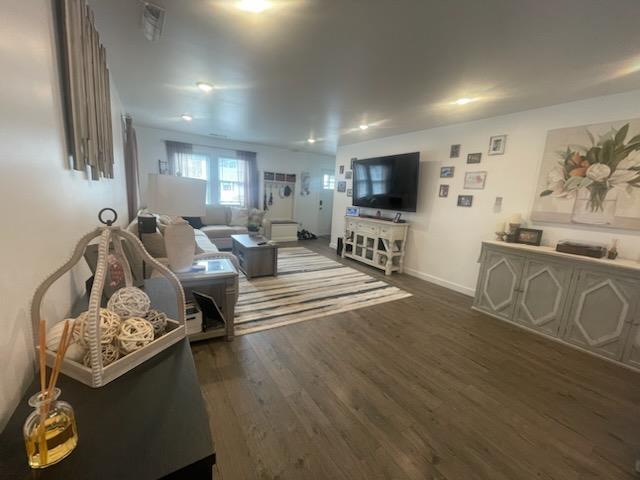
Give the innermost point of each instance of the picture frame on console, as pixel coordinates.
(529, 236)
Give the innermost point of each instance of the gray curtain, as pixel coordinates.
(131, 168)
(177, 153)
(251, 181)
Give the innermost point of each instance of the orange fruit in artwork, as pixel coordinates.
(578, 172)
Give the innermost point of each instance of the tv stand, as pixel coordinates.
(376, 242)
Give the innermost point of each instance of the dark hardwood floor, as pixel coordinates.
(421, 388)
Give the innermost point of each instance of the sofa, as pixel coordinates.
(220, 222)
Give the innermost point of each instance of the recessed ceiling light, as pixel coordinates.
(311, 140)
(364, 126)
(204, 86)
(186, 117)
(254, 6)
(463, 101)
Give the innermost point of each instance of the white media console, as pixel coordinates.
(376, 242)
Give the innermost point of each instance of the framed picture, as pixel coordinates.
(341, 169)
(163, 167)
(446, 172)
(454, 151)
(353, 211)
(342, 186)
(474, 158)
(465, 200)
(474, 180)
(584, 172)
(529, 236)
(348, 175)
(497, 144)
(443, 191)
(396, 217)
(349, 192)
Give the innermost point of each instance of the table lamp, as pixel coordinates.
(177, 197)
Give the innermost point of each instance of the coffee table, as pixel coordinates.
(255, 260)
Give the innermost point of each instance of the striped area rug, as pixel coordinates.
(308, 286)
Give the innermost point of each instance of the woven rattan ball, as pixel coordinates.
(159, 321)
(129, 302)
(134, 334)
(75, 352)
(109, 325)
(109, 352)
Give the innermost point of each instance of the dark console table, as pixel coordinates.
(150, 423)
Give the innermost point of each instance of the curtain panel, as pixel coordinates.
(131, 171)
(178, 154)
(251, 181)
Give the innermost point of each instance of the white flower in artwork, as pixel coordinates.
(632, 160)
(598, 172)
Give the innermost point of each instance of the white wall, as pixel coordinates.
(151, 148)
(444, 240)
(45, 207)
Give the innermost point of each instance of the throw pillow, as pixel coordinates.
(195, 222)
(215, 215)
(239, 217)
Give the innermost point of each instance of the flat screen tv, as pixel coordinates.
(387, 183)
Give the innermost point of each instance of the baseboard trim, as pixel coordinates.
(470, 292)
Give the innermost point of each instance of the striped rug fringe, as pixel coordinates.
(308, 286)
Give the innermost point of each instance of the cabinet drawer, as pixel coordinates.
(386, 232)
(368, 229)
(351, 225)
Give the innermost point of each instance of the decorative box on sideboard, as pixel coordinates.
(589, 303)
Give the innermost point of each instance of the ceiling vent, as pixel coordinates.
(152, 21)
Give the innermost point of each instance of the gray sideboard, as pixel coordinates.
(592, 304)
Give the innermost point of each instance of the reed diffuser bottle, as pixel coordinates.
(50, 432)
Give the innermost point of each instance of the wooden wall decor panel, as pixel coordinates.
(86, 89)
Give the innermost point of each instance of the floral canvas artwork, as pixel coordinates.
(591, 175)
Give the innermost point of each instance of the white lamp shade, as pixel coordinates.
(176, 196)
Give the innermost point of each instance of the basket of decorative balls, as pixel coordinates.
(108, 342)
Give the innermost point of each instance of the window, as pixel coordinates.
(197, 165)
(231, 181)
(328, 182)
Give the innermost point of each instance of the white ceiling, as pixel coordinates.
(322, 67)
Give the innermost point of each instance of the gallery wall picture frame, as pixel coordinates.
(341, 169)
(454, 151)
(497, 144)
(443, 191)
(465, 200)
(348, 175)
(474, 157)
(529, 236)
(163, 167)
(349, 192)
(475, 180)
(341, 186)
(447, 172)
